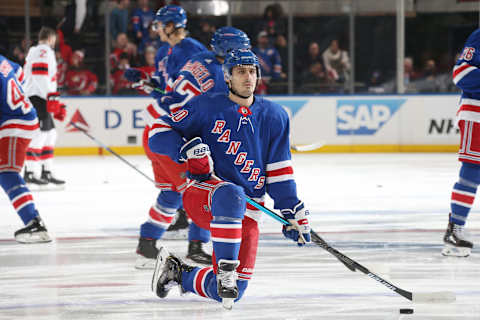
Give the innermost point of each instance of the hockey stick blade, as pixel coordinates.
(434, 297)
(308, 147)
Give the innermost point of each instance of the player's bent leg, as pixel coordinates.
(196, 238)
(161, 215)
(228, 209)
(463, 196)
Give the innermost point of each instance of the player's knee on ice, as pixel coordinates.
(228, 201)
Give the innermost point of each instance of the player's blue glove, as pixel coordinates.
(299, 228)
(199, 162)
(133, 75)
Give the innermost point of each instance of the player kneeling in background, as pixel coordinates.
(466, 75)
(18, 124)
(248, 138)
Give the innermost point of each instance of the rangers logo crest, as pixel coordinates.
(244, 119)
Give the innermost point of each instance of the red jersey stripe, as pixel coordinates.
(280, 172)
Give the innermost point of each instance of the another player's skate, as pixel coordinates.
(52, 180)
(34, 232)
(147, 253)
(34, 183)
(178, 230)
(456, 243)
(168, 273)
(196, 253)
(227, 282)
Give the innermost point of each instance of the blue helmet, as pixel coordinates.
(239, 57)
(171, 13)
(227, 39)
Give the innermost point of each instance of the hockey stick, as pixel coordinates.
(425, 297)
(307, 147)
(111, 151)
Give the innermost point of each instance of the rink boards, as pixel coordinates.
(393, 123)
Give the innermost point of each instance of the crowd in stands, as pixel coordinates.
(321, 65)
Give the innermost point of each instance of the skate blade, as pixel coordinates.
(163, 254)
(227, 303)
(45, 187)
(176, 235)
(452, 251)
(143, 263)
(37, 237)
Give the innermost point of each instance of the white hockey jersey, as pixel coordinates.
(40, 71)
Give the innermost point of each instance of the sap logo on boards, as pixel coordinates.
(365, 116)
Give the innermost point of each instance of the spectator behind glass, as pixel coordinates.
(79, 80)
(122, 45)
(142, 18)
(274, 24)
(148, 66)
(151, 40)
(270, 62)
(19, 52)
(119, 18)
(120, 85)
(315, 80)
(63, 53)
(336, 62)
(313, 55)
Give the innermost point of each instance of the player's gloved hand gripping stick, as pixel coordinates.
(423, 297)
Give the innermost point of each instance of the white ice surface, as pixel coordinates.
(386, 211)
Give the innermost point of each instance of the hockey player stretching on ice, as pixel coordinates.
(466, 75)
(244, 140)
(18, 124)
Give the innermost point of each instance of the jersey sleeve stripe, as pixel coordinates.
(280, 172)
(281, 178)
(461, 71)
(279, 165)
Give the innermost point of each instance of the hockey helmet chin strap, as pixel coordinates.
(230, 88)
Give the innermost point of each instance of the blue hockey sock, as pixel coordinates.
(228, 208)
(203, 282)
(161, 215)
(195, 233)
(463, 193)
(19, 195)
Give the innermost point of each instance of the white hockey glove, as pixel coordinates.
(199, 162)
(299, 228)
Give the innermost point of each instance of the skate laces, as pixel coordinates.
(228, 279)
(459, 232)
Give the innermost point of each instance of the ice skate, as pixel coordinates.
(168, 273)
(34, 183)
(54, 183)
(34, 232)
(227, 282)
(196, 253)
(147, 253)
(178, 230)
(456, 242)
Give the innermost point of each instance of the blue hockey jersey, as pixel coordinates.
(18, 118)
(249, 145)
(201, 74)
(160, 77)
(180, 54)
(466, 75)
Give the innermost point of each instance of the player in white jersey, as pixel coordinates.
(41, 88)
